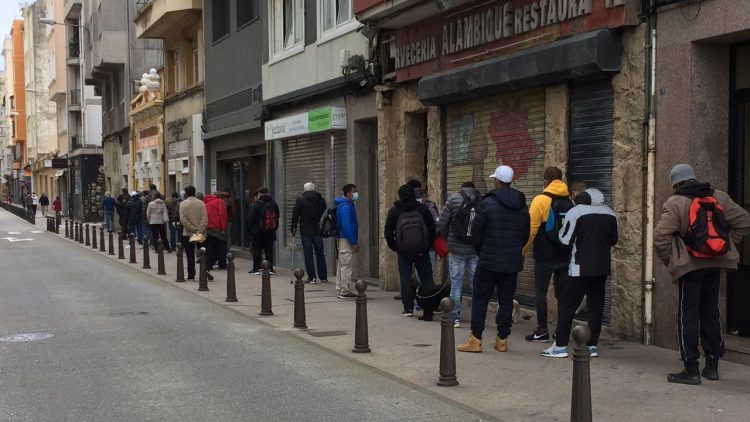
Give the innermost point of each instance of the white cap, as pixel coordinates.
(503, 174)
(134, 193)
(309, 186)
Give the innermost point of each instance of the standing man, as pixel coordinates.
(410, 231)
(216, 231)
(455, 225)
(134, 216)
(348, 238)
(108, 205)
(173, 208)
(57, 206)
(194, 220)
(695, 262)
(591, 229)
(500, 229)
(307, 212)
(34, 202)
(44, 202)
(264, 221)
(122, 201)
(550, 257)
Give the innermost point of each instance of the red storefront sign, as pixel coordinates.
(486, 29)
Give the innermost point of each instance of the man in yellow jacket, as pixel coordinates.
(550, 257)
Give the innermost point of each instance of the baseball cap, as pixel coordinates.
(503, 174)
(134, 193)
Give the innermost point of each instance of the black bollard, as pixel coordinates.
(231, 288)
(94, 245)
(88, 240)
(101, 239)
(160, 270)
(202, 275)
(299, 299)
(180, 265)
(265, 289)
(132, 249)
(58, 220)
(67, 231)
(447, 346)
(75, 231)
(146, 256)
(80, 233)
(120, 247)
(580, 401)
(111, 244)
(361, 340)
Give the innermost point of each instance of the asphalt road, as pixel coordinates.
(127, 347)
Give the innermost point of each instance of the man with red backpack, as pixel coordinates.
(263, 222)
(695, 239)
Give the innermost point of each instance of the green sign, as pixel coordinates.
(319, 120)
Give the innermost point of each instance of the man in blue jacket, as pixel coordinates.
(499, 233)
(346, 225)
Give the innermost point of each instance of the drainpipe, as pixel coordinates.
(648, 272)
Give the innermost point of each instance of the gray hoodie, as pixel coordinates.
(452, 205)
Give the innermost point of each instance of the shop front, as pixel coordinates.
(147, 142)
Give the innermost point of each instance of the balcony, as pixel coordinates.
(74, 100)
(75, 142)
(400, 13)
(72, 8)
(74, 45)
(160, 18)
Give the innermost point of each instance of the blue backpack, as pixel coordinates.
(556, 217)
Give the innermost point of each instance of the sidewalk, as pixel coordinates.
(628, 379)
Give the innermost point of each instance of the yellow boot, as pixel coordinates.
(501, 345)
(472, 345)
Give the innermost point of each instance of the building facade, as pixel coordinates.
(14, 64)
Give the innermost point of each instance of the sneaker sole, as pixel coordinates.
(562, 355)
(537, 340)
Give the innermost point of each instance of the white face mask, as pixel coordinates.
(420, 200)
(355, 196)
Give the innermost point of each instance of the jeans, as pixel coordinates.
(312, 246)
(570, 300)
(108, 221)
(543, 270)
(458, 265)
(698, 315)
(146, 229)
(424, 270)
(485, 281)
(136, 230)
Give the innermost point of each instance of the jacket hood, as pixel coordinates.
(342, 200)
(470, 191)
(158, 201)
(557, 188)
(407, 199)
(597, 197)
(509, 198)
(265, 198)
(694, 189)
(211, 198)
(312, 196)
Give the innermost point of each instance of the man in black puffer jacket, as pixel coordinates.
(308, 210)
(500, 230)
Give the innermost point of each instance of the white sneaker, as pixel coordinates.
(457, 323)
(555, 352)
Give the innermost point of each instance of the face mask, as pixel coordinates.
(420, 200)
(355, 196)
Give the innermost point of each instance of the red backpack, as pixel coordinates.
(707, 235)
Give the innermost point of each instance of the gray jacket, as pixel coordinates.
(455, 246)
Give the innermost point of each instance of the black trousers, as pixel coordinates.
(189, 255)
(485, 282)
(593, 288)
(698, 316)
(543, 270)
(216, 250)
(159, 231)
(262, 243)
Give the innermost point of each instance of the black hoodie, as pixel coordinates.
(308, 210)
(500, 230)
(407, 202)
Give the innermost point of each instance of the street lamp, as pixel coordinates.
(52, 21)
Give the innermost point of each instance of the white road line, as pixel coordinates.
(14, 232)
(37, 231)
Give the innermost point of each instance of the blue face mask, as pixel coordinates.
(355, 196)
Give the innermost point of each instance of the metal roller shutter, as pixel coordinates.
(590, 149)
(304, 161)
(339, 176)
(507, 129)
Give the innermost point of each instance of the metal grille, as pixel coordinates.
(235, 102)
(483, 134)
(304, 161)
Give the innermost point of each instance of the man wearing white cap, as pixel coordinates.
(499, 232)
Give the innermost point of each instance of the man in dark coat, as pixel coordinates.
(307, 212)
(500, 230)
(264, 221)
(134, 216)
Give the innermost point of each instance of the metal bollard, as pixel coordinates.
(231, 287)
(80, 233)
(580, 401)
(111, 243)
(202, 276)
(101, 239)
(299, 299)
(58, 220)
(160, 258)
(265, 289)
(74, 227)
(88, 240)
(146, 256)
(180, 265)
(447, 346)
(94, 245)
(132, 249)
(67, 231)
(120, 247)
(361, 340)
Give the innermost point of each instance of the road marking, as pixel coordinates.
(23, 338)
(14, 232)
(13, 239)
(36, 231)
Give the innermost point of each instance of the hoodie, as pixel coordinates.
(307, 212)
(446, 220)
(346, 220)
(592, 231)
(216, 213)
(544, 250)
(500, 230)
(407, 202)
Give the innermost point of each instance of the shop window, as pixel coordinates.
(247, 11)
(742, 67)
(335, 17)
(220, 19)
(287, 27)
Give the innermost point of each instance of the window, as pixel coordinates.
(220, 19)
(287, 24)
(334, 14)
(176, 54)
(247, 11)
(169, 86)
(196, 67)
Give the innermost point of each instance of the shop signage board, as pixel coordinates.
(313, 121)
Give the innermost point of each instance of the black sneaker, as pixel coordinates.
(684, 377)
(538, 336)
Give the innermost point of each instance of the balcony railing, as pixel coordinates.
(74, 98)
(74, 45)
(75, 142)
(140, 5)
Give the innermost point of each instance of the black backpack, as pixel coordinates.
(412, 238)
(464, 217)
(269, 218)
(328, 227)
(556, 217)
